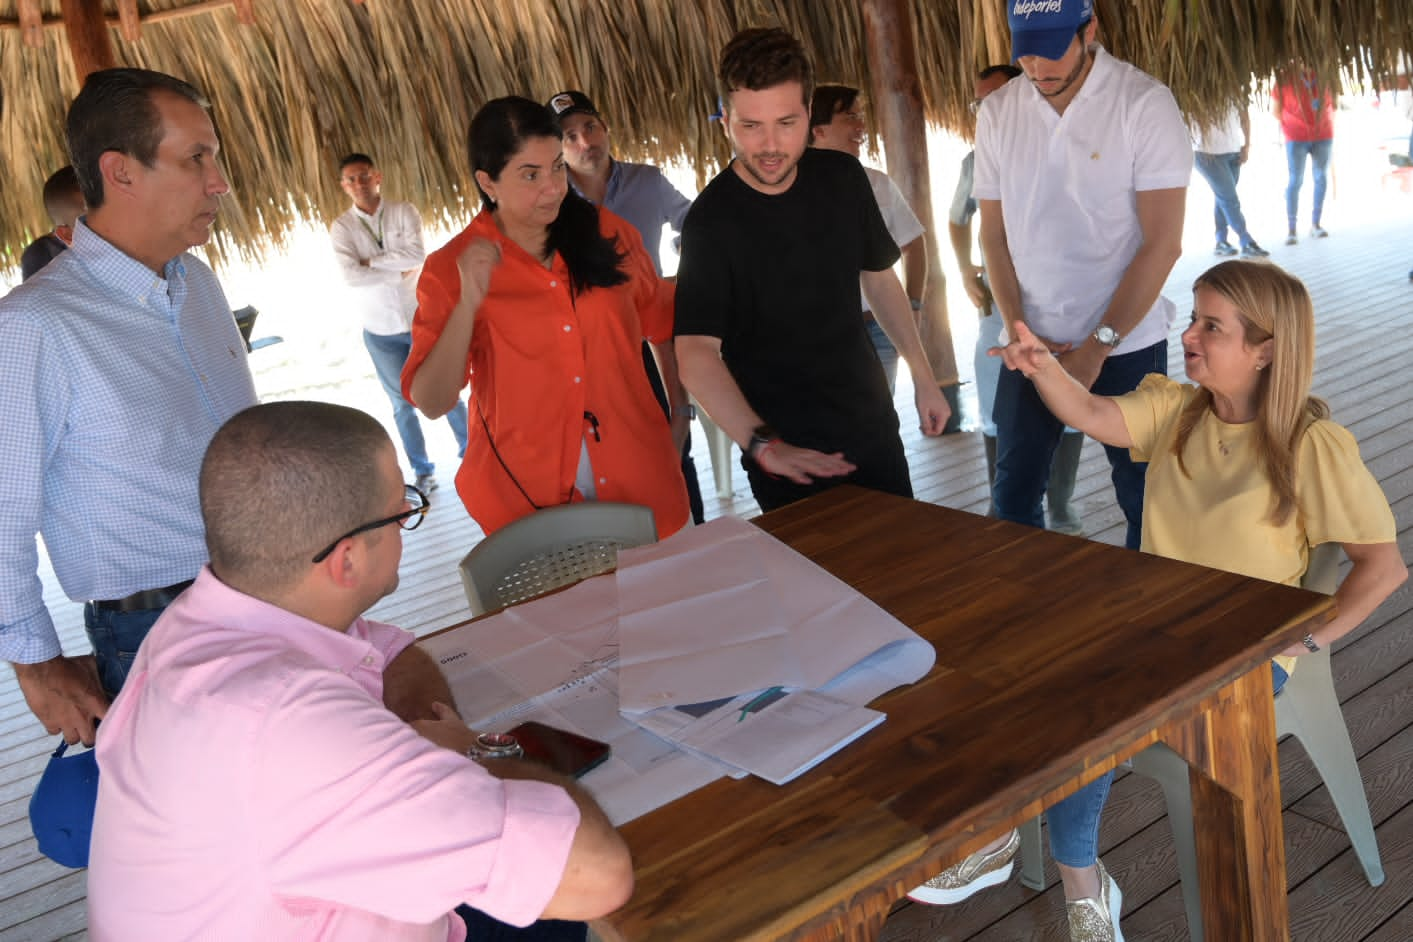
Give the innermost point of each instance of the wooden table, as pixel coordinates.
(1057, 658)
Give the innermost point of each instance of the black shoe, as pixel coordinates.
(1252, 250)
(1224, 249)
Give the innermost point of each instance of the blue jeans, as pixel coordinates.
(1295, 153)
(115, 637)
(482, 928)
(1027, 433)
(1074, 822)
(887, 353)
(389, 353)
(1221, 171)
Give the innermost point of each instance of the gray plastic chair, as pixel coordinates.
(1306, 708)
(549, 549)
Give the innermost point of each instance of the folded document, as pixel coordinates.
(724, 614)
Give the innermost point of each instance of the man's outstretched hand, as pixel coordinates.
(801, 465)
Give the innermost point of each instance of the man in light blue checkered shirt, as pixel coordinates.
(118, 363)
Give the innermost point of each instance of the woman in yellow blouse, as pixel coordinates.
(1246, 471)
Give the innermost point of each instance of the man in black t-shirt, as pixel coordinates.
(769, 338)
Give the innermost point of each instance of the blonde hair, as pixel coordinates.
(1272, 305)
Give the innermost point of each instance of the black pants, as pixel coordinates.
(689, 467)
(482, 928)
(882, 466)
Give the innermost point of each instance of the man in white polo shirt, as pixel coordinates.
(1081, 176)
(1081, 179)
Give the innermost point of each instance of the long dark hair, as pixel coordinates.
(498, 132)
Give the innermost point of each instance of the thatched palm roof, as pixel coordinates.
(313, 79)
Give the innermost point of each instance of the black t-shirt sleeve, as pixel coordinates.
(703, 278)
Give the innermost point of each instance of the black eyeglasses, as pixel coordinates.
(409, 519)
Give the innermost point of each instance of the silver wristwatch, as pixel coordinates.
(1107, 336)
(495, 746)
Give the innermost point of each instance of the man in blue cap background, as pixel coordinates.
(1081, 177)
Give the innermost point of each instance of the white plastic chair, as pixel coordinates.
(719, 446)
(1306, 708)
(549, 549)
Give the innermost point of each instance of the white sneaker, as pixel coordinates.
(977, 872)
(1097, 920)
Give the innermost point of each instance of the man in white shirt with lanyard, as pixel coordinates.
(378, 244)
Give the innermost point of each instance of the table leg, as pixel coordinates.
(1236, 808)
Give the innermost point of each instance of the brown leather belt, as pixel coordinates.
(143, 601)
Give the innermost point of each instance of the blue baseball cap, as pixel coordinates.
(1045, 28)
(61, 811)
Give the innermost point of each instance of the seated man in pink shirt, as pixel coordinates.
(278, 767)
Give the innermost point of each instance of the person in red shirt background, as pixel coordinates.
(542, 304)
(1305, 108)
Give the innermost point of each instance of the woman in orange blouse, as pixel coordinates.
(542, 304)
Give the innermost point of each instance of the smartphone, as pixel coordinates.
(565, 752)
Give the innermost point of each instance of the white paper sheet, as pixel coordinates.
(555, 660)
(725, 609)
(775, 734)
(714, 612)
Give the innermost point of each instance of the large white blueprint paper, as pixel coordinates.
(725, 609)
(554, 660)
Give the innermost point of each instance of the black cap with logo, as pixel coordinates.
(571, 102)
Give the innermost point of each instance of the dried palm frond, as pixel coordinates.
(400, 79)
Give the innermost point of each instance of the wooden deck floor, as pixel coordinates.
(1364, 301)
